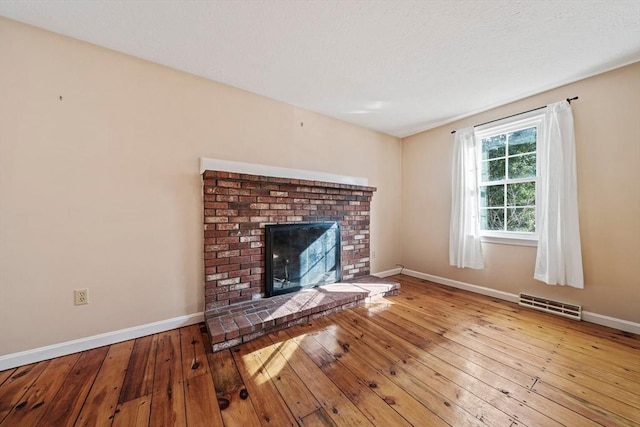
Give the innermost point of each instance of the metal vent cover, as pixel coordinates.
(550, 306)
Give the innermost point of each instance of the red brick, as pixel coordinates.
(253, 264)
(216, 205)
(214, 290)
(256, 251)
(216, 276)
(239, 286)
(226, 212)
(214, 262)
(250, 185)
(228, 184)
(227, 239)
(213, 304)
(215, 219)
(215, 331)
(238, 273)
(227, 226)
(216, 233)
(240, 259)
(240, 299)
(278, 206)
(228, 254)
(238, 192)
(224, 198)
(236, 219)
(228, 295)
(215, 248)
(252, 290)
(266, 200)
(228, 267)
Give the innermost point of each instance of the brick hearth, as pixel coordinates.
(237, 323)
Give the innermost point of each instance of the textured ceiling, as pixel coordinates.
(398, 67)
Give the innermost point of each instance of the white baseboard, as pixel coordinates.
(387, 273)
(462, 285)
(13, 360)
(612, 322)
(599, 319)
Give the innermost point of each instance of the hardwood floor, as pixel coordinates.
(431, 356)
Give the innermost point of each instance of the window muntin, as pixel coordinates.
(507, 178)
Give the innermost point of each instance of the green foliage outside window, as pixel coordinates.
(507, 205)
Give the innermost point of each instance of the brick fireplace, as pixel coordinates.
(236, 209)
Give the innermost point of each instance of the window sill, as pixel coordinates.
(509, 241)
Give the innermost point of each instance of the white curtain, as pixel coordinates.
(465, 249)
(559, 257)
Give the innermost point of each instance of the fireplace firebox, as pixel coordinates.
(301, 255)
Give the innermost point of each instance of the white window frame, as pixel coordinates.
(510, 124)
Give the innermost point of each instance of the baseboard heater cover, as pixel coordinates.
(550, 306)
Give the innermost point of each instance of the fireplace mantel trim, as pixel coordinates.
(278, 172)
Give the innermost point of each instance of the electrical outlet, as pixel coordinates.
(81, 296)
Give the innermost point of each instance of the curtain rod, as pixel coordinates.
(513, 115)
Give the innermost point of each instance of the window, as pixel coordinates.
(508, 176)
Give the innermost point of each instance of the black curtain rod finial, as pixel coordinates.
(513, 115)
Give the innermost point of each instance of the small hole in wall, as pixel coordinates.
(301, 124)
(60, 97)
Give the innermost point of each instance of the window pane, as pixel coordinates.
(522, 141)
(522, 166)
(492, 195)
(493, 170)
(494, 146)
(522, 194)
(492, 219)
(521, 219)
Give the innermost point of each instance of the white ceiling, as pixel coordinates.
(398, 67)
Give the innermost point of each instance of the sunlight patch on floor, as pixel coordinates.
(378, 306)
(273, 359)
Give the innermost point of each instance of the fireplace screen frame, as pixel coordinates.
(270, 238)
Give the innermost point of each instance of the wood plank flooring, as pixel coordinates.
(431, 356)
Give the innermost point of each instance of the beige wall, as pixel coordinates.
(607, 126)
(100, 190)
